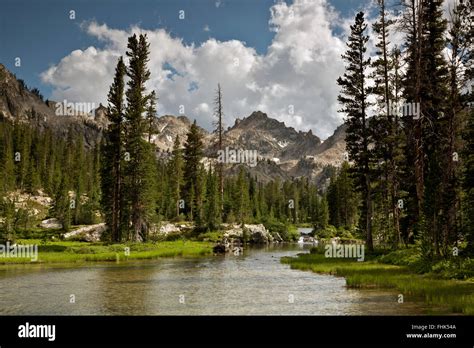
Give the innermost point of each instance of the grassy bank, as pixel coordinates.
(66, 251)
(445, 295)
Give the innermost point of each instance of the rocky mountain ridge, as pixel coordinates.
(282, 152)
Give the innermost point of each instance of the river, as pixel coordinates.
(253, 283)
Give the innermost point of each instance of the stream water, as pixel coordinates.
(253, 283)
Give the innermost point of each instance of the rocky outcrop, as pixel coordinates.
(169, 127)
(271, 138)
(236, 236)
(51, 223)
(20, 103)
(282, 151)
(90, 233)
(100, 116)
(168, 228)
(256, 234)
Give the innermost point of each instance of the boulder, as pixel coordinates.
(90, 233)
(51, 223)
(168, 228)
(235, 232)
(256, 234)
(219, 248)
(259, 234)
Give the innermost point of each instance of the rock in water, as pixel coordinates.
(256, 234)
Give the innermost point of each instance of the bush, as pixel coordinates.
(456, 268)
(319, 249)
(402, 257)
(288, 233)
(292, 233)
(275, 226)
(344, 233)
(173, 236)
(326, 233)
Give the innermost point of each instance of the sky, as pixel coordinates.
(279, 57)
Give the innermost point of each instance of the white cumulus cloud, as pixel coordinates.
(294, 81)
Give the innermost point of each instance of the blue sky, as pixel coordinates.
(45, 38)
(41, 33)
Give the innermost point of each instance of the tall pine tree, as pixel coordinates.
(111, 155)
(354, 98)
(140, 166)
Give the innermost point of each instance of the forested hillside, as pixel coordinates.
(406, 178)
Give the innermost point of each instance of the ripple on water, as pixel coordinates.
(255, 283)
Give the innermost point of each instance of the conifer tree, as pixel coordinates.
(212, 216)
(460, 62)
(413, 173)
(321, 215)
(385, 126)
(176, 176)
(139, 169)
(151, 115)
(61, 207)
(111, 155)
(468, 182)
(433, 92)
(7, 166)
(242, 201)
(193, 153)
(342, 199)
(354, 98)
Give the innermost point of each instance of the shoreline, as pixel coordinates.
(83, 252)
(454, 296)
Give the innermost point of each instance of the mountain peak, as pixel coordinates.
(284, 149)
(258, 115)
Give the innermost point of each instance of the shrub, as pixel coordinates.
(344, 233)
(275, 226)
(456, 268)
(328, 232)
(292, 233)
(288, 233)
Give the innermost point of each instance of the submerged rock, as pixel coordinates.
(219, 248)
(229, 245)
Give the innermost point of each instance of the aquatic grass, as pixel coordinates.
(68, 251)
(454, 296)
